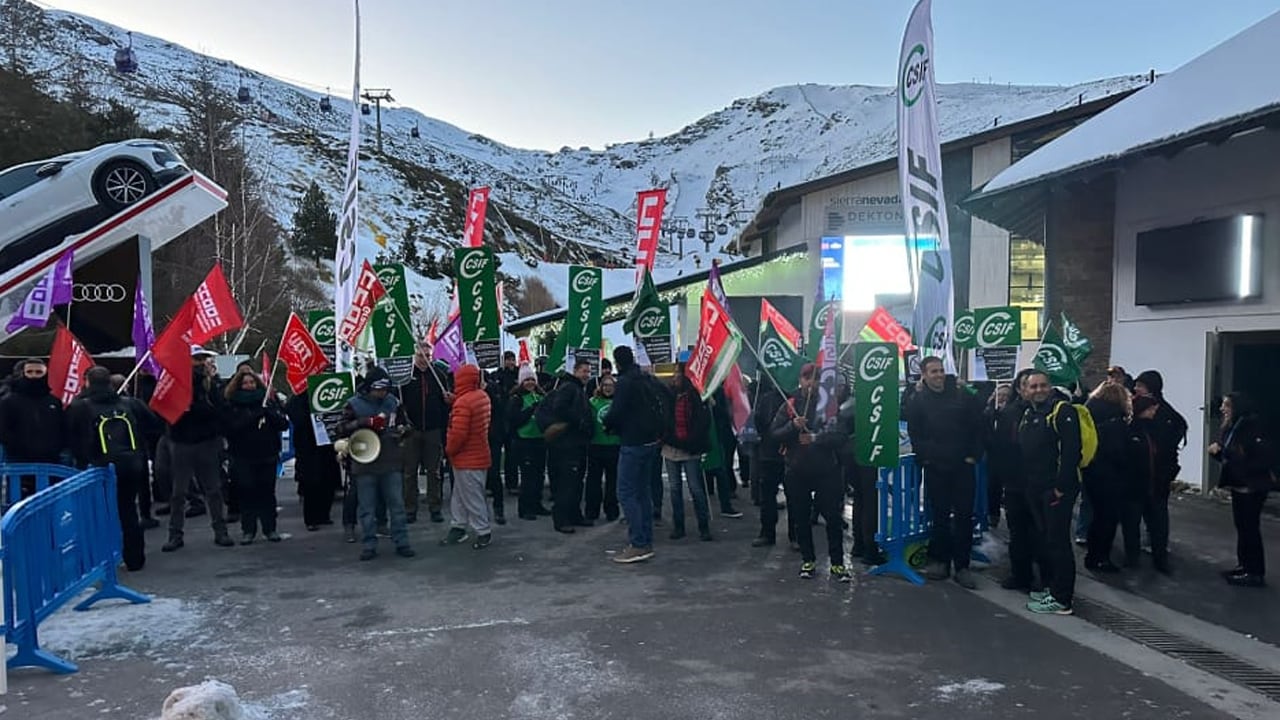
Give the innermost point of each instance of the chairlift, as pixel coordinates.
(325, 104)
(365, 109)
(126, 60)
(243, 96)
(414, 132)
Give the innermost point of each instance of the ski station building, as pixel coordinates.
(1160, 223)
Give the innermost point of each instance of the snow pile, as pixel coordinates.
(210, 700)
(114, 629)
(975, 688)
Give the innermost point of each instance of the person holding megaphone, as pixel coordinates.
(372, 426)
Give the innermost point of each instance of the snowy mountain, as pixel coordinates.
(548, 208)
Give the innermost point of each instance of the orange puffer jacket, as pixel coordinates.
(468, 438)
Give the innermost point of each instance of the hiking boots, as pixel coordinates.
(482, 541)
(964, 578)
(455, 536)
(273, 536)
(405, 551)
(763, 542)
(174, 543)
(248, 539)
(937, 570)
(223, 540)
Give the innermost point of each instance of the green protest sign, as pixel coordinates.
(997, 327)
(392, 337)
(650, 321)
(876, 402)
(965, 333)
(477, 295)
(1055, 359)
(582, 325)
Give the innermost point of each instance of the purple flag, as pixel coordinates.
(449, 347)
(144, 335)
(52, 289)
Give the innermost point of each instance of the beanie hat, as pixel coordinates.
(1153, 381)
(525, 373)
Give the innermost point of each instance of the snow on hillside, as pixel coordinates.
(553, 208)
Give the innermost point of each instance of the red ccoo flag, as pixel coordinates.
(68, 363)
(300, 353)
(172, 350)
(369, 291)
(216, 310)
(477, 205)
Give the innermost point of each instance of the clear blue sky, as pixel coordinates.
(547, 73)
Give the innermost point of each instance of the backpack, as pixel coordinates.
(655, 402)
(116, 438)
(1088, 431)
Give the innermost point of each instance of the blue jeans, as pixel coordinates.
(692, 470)
(635, 470)
(374, 490)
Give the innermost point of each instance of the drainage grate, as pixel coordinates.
(1229, 667)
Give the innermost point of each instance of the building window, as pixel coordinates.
(1026, 283)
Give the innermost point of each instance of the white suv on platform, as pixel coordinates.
(43, 202)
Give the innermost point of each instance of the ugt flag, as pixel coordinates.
(301, 354)
(52, 289)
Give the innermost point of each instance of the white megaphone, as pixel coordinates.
(363, 446)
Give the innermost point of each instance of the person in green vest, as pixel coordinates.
(528, 446)
(602, 457)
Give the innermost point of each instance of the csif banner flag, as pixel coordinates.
(920, 177)
(650, 321)
(779, 344)
(344, 282)
(716, 351)
(477, 301)
(649, 207)
(582, 327)
(875, 392)
(964, 332)
(301, 354)
(1075, 341)
(996, 327)
(1055, 359)
(68, 363)
(369, 291)
(477, 206)
(392, 337)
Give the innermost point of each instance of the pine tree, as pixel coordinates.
(315, 226)
(408, 250)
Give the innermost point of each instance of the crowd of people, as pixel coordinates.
(595, 444)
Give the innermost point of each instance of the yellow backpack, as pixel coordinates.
(1088, 430)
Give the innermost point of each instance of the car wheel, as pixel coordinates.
(120, 184)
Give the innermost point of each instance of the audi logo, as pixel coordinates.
(98, 292)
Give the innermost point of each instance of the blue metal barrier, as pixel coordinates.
(905, 518)
(42, 475)
(56, 543)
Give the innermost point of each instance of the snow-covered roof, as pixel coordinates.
(1229, 83)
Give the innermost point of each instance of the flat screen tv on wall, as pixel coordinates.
(1206, 261)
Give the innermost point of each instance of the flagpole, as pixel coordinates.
(274, 364)
(133, 372)
(767, 374)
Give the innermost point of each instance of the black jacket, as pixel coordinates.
(820, 455)
(1050, 450)
(945, 427)
(1120, 467)
(630, 416)
(1168, 431)
(423, 399)
(1004, 458)
(32, 422)
(253, 431)
(767, 406)
(698, 422)
(82, 426)
(1247, 456)
(569, 405)
(201, 421)
(497, 409)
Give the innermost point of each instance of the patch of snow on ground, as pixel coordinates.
(114, 629)
(561, 679)
(216, 700)
(975, 688)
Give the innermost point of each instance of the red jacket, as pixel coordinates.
(467, 446)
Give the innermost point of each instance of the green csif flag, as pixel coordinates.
(582, 324)
(777, 347)
(1075, 340)
(477, 295)
(1055, 359)
(964, 334)
(818, 327)
(650, 321)
(392, 336)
